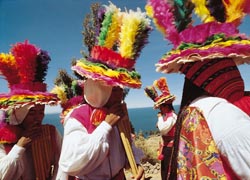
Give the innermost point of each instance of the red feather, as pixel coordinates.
(25, 55)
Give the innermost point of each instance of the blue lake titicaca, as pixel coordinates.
(142, 119)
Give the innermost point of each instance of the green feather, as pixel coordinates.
(105, 28)
(183, 13)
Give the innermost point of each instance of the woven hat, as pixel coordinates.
(25, 68)
(208, 53)
(164, 98)
(115, 40)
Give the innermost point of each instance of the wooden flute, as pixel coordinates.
(42, 154)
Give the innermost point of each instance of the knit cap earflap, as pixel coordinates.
(115, 40)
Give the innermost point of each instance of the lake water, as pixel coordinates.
(142, 119)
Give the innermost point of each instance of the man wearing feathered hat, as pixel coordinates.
(212, 133)
(92, 146)
(166, 121)
(28, 149)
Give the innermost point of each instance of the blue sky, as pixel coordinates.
(56, 25)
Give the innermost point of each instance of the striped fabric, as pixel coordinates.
(219, 77)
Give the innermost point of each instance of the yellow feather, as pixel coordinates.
(59, 91)
(215, 43)
(234, 10)
(130, 25)
(113, 32)
(202, 11)
(7, 59)
(122, 76)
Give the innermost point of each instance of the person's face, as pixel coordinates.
(165, 108)
(34, 116)
(96, 92)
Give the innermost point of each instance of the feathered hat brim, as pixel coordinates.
(114, 77)
(222, 44)
(164, 100)
(240, 53)
(24, 97)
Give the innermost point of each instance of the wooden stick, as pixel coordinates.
(125, 133)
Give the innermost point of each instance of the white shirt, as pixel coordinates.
(99, 155)
(18, 162)
(11, 165)
(230, 128)
(165, 126)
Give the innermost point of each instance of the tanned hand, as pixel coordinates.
(114, 114)
(24, 142)
(140, 175)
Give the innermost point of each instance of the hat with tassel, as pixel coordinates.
(164, 98)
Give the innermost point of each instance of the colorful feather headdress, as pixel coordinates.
(69, 91)
(165, 97)
(115, 40)
(25, 68)
(217, 37)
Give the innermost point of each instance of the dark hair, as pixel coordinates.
(190, 93)
(170, 105)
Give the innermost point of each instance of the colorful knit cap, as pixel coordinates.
(69, 91)
(25, 68)
(218, 77)
(217, 37)
(115, 40)
(164, 98)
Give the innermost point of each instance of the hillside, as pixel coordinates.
(151, 164)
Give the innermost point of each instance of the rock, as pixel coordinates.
(151, 166)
